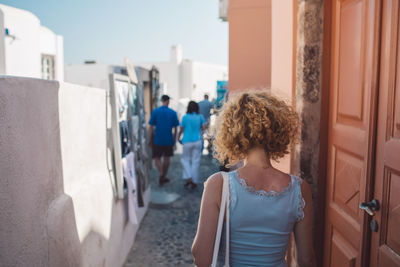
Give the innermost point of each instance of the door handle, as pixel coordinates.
(370, 207)
(366, 209)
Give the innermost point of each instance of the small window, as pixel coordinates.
(48, 67)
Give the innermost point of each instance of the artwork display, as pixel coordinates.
(129, 138)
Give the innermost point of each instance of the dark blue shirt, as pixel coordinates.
(164, 119)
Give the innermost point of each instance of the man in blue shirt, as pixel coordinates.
(162, 140)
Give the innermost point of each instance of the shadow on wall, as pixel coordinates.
(57, 206)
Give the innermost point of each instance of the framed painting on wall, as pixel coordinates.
(123, 102)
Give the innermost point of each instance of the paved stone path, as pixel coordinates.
(167, 231)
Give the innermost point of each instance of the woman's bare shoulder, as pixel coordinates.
(214, 182)
(213, 188)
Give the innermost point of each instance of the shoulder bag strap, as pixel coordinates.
(226, 185)
(224, 197)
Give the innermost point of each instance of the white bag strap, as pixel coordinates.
(226, 184)
(223, 207)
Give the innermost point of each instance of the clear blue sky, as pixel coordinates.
(143, 30)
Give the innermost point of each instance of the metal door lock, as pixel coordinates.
(373, 225)
(370, 207)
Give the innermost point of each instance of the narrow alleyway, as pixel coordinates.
(167, 231)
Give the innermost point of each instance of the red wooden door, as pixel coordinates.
(385, 246)
(351, 141)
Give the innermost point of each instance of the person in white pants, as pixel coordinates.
(191, 126)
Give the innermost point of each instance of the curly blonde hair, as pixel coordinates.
(255, 119)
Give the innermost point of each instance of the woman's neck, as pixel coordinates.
(257, 157)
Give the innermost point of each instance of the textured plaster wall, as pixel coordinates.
(30, 171)
(57, 206)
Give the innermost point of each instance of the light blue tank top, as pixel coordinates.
(261, 222)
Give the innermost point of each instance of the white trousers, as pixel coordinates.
(190, 160)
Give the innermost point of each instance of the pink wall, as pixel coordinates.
(282, 44)
(249, 44)
(282, 57)
(261, 46)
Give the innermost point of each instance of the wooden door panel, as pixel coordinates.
(385, 245)
(342, 222)
(342, 253)
(348, 174)
(350, 100)
(392, 147)
(351, 129)
(387, 258)
(393, 222)
(355, 138)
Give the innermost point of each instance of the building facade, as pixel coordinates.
(27, 48)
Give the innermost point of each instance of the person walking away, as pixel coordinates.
(191, 126)
(163, 137)
(265, 204)
(205, 107)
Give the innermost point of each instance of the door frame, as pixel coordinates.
(319, 239)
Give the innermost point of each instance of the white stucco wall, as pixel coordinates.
(205, 77)
(59, 58)
(92, 75)
(52, 44)
(2, 44)
(180, 76)
(56, 200)
(47, 41)
(186, 86)
(22, 54)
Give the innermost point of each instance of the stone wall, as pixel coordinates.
(308, 95)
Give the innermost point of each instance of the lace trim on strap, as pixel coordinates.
(301, 204)
(232, 192)
(263, 193)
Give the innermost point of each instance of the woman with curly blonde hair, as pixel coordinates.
(265, 204)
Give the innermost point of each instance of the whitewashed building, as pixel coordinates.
(28, 49)
(186, 78)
